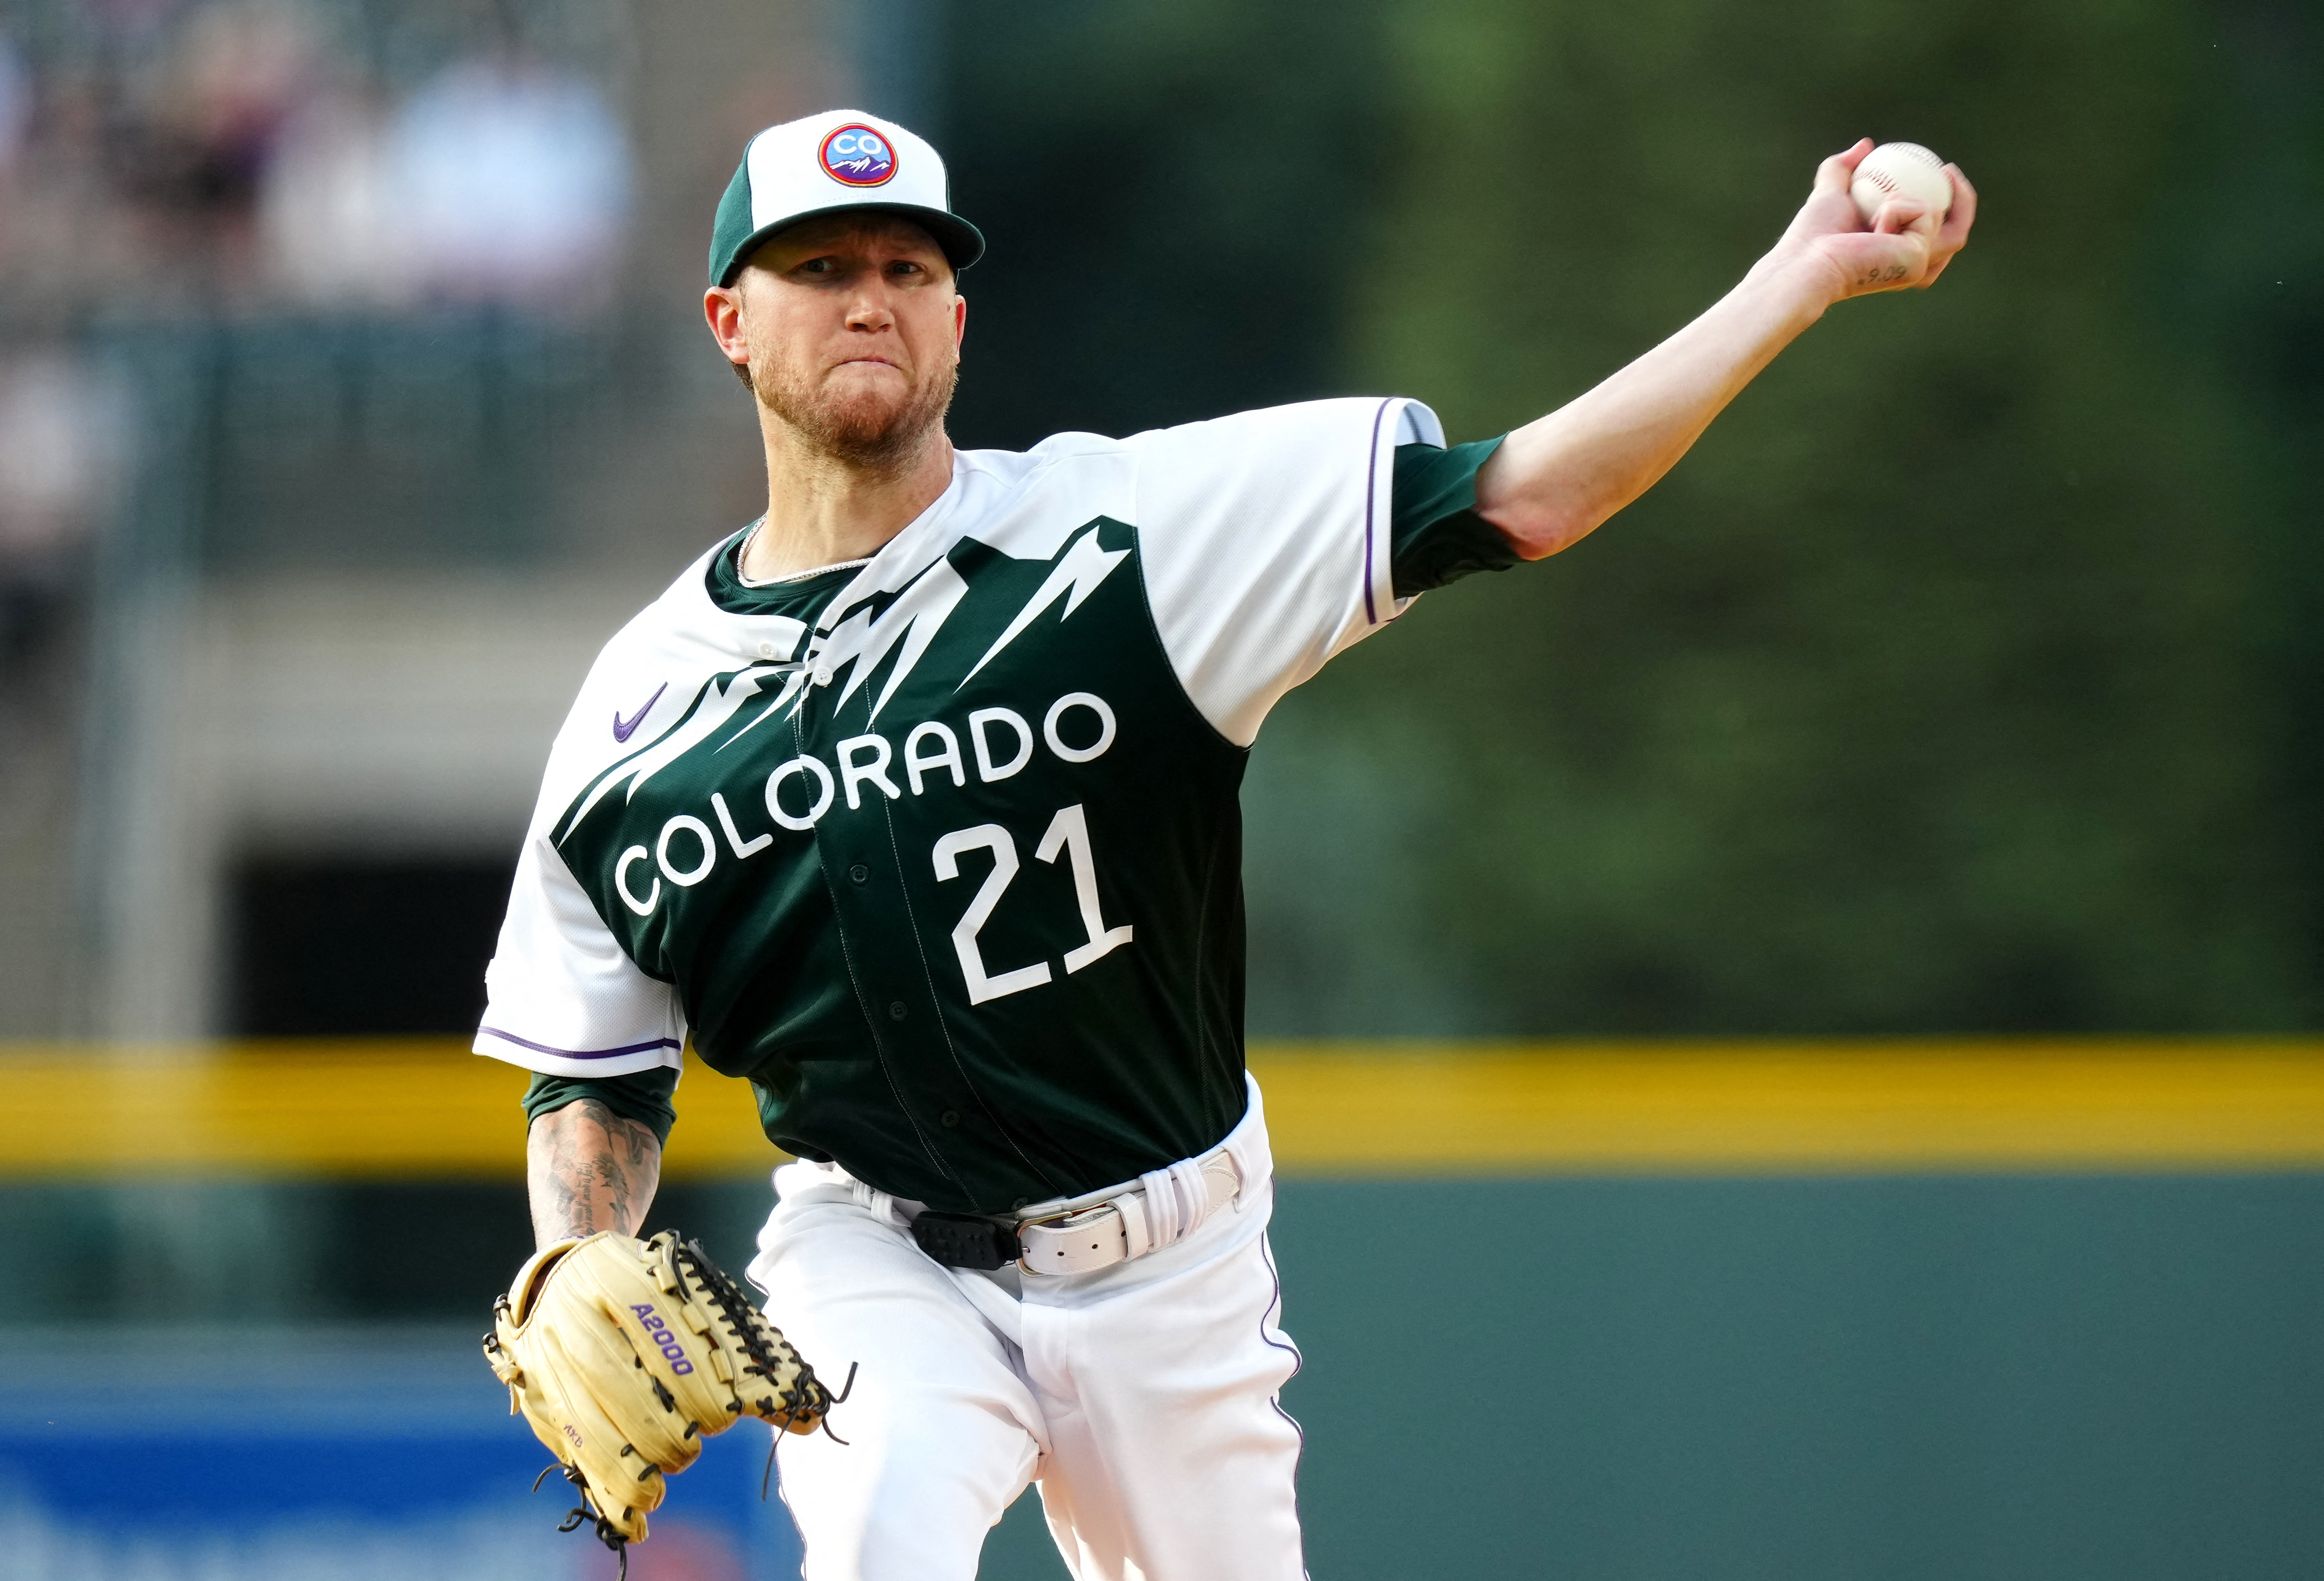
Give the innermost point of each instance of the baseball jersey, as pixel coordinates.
(942, 849)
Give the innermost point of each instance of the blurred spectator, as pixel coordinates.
(206, 118)
(511, 180)
(335, 230)
(221, 153)
(61, 451)
(16, 102)
(63, 231)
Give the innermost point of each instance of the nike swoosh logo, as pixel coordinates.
(623, 729)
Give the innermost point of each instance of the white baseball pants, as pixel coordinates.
(1140, 1397)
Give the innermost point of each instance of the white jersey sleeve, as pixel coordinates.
(561, 995)
(1265, 541)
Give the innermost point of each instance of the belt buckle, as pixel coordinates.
(1069, 1225)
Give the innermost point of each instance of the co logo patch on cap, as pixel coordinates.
(857, 155)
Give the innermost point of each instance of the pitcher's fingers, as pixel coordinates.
(1835, 173)
(1963, 213)
(1938, 259)
(1895, 216)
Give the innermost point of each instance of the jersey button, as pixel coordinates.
(898, 1010)
(860, 874)
(950, 1117)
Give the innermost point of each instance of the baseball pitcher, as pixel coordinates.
(914, 804)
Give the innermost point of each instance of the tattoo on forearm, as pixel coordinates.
(592, 1169)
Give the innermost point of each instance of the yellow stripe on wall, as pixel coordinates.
(1765, 1108)
(428, 1108)
(354, 1108)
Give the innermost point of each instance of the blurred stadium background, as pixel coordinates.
(1792, 1026)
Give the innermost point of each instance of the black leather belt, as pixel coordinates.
(958, 1240)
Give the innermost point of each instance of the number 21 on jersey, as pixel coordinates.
(1068, 832)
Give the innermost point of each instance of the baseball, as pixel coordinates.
(1901, 170)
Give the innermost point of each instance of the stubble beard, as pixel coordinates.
(859, 431)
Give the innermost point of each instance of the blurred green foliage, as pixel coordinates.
(1176, 195)
(1960, 681)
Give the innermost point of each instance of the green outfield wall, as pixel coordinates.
(2064, 1377)
(1908, 1378)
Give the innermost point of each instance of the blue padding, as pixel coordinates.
(392, 1453)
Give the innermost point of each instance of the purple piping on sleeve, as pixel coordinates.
(576, 1053)
(1371, 491)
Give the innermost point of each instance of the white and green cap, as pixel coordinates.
(839, 161)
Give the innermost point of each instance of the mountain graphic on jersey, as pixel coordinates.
(888, 635)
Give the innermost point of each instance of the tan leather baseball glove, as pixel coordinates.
(624, 1354)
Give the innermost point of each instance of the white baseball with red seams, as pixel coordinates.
(1901, 170)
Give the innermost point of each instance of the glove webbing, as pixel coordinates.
(807, 1393)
